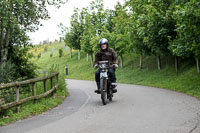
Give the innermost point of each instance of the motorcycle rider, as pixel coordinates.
(106, 54)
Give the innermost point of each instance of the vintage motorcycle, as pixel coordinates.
(106, 87)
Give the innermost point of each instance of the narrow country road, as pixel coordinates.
(134, 109)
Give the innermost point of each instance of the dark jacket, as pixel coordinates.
(106, 55)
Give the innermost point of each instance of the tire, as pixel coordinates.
(103, 88)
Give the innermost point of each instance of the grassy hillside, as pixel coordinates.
(186, 81)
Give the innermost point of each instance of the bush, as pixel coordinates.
(7, 75)
(51, 54)
(45, 49)
(60, 52)
(25, 69)
(7, 72)
(39, 55)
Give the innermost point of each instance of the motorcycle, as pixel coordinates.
(106, 87)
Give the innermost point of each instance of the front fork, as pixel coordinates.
(103, 84)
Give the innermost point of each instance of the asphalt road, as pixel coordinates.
(134, 109)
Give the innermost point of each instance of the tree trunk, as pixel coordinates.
(4, 50)
(70, 52)
(176, 64)
(121, 61)
(141, 65)
(2, 36)
(79, 54)
(87, 58)
(159, 63)
(198, 69)
(1, 41)
(92, 61)
(4, 54)
(5, 45)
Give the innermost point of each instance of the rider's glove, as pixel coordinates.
(115, 66)
(96, 66)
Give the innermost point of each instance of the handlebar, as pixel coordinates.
(107, 63)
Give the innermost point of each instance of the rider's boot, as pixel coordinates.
(98, 88)
(114, 85)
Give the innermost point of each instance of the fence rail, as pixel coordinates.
(34, 94)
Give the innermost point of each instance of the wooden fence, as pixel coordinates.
(34, 96)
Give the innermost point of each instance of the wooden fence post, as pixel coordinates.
(57, 79)
(56, 82)
(51, 82)
(141, 63)
(17, 98)
(34, 91)
(45, 85)
(176, 64)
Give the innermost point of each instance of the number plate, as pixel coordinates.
(103, 75)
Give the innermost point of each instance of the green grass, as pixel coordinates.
(187, 80)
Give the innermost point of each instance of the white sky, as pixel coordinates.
(50, 29)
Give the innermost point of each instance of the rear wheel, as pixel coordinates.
(103, 88)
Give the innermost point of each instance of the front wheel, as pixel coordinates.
(103, 88)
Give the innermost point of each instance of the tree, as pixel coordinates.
(25, 15)
(17, 17)
(62, 32)
(88, 34)
(187, 41)
(66, 36)
(121, 25)
(69, 40)
(94, 18)
(77, 30)
(137, 21)
(153, 26)
(158, 29)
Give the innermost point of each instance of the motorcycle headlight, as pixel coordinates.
(103, 65)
